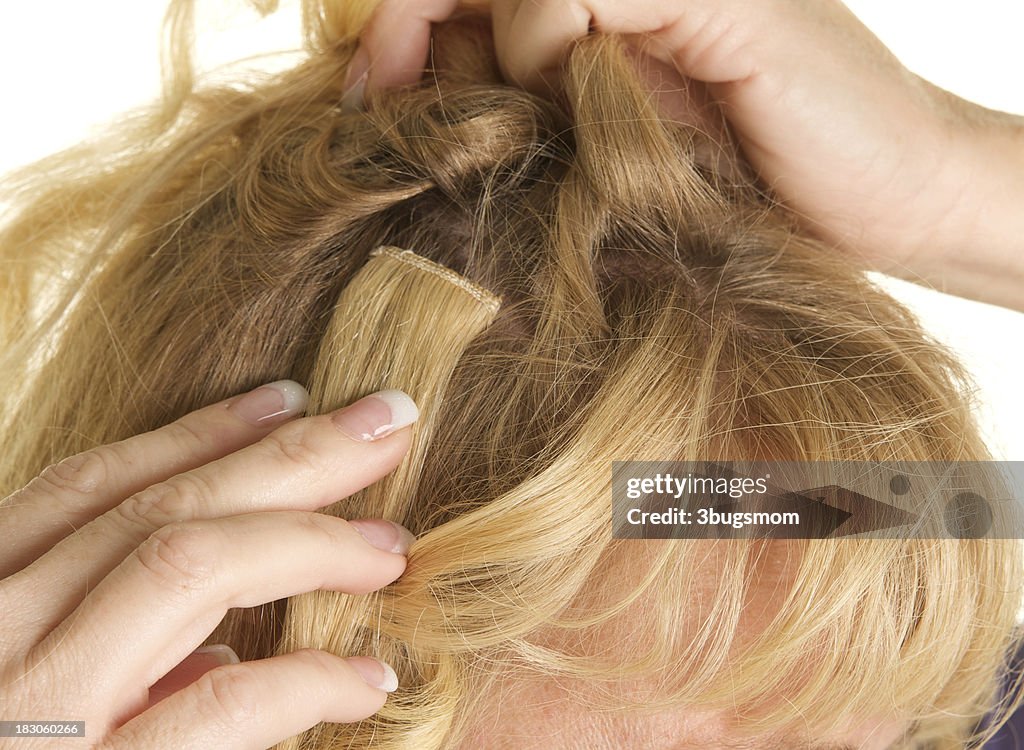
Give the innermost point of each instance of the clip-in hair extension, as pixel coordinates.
(403, 322)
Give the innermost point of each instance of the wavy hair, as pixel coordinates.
(558, 284)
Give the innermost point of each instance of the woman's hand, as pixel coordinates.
(873, 158)
(118, 562)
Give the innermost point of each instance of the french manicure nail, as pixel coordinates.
(377, 415)
(220, 652)
(355, 82)
(375, 673)
(386, 535)
(271, 403)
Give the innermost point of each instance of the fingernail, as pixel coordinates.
(386, 535)
(219, 652)
(375, 673)
(271, 403)
(355, 82)
(377, 415)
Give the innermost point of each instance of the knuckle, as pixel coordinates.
(181, 556)
(234, 692)
(297, 448)
(81, 474)
(157, 505)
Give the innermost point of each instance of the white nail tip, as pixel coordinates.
(224, 653)
(389, 682)
(403, 409)
(296, 398)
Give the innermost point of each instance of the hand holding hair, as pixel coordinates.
(872, 158)
(172, 528)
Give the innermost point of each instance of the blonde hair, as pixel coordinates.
(558, 286)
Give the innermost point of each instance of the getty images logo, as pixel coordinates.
(792, 499)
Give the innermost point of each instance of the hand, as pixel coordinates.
(874, 159)
(174, 527)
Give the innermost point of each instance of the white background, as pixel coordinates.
(69, 65)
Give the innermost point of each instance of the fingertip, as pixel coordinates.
(219, 653)
(533, 40)
(354, 97)
(374, 672)
(397, 43)
(271, 403)
(385, 535)
(376, 416)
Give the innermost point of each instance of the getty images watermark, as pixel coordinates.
(818, 499)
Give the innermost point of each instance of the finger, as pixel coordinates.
(396, 42)
(305, 464)
(531, 38)
(260, 703)
(69, 494)
(168, 596)
(194, 666)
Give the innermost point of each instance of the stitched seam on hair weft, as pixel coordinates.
(484, 297)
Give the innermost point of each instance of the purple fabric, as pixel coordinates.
(1011, 735)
